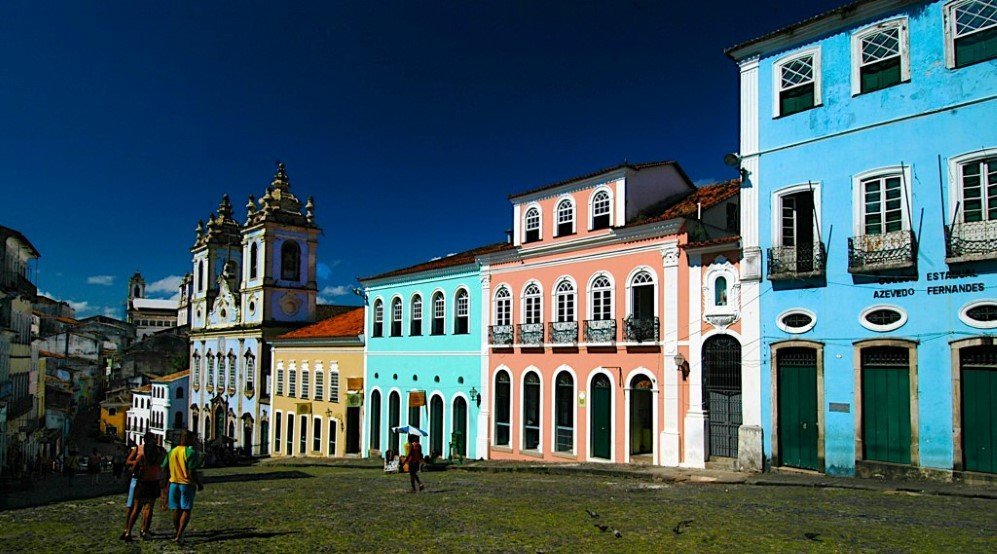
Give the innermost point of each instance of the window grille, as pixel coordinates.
(304, 383)
(797, 91)
(532, 225)
(883, 205)
(602, 299)
(378, 318)
(416, 323)
(983, 312)
(565, 296)
(883, 317)
(979, 190)
(601, 207)
(280, 381)
(462, 312)
(532, 304)
(292, 377)
(565, 218)
(503, 307)
(334, 387)
(974, 31)
(319, 385)
(396, 317)
(880, 59)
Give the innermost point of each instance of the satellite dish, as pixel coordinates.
(732, 160)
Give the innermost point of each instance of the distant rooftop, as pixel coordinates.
(459, 258)
(154, 304)
(348, 324)
(624, 165)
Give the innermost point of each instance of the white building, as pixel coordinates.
(138, 420)
(169, 405)
(148, 315)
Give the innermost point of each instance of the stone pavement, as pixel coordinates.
(779, 478)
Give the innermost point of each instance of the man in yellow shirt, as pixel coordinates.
(180, 467)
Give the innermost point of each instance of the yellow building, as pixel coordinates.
(318, 389)
(112, 416)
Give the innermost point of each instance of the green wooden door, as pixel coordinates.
(979, 419)
(436, 426)
(601, 417)
(886, 414)
(798, 407)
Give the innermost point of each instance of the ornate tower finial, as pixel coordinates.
(251, 205)
(199, 230)
(225, 208)
(280, 180)
(310, 210)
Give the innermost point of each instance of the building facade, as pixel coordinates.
(251, 283)
(425, 361)
(318, 389)
(139, 415)
(595, 316)
(148, 315)
(870, 193)
(169, 397)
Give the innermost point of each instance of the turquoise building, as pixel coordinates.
(425, 356)
(869, 151)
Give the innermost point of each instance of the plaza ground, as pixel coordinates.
(270, 508)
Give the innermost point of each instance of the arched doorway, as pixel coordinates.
(375, 420)
(978, 369)
(436, 426)
(207, 428)
(394, 412)
(247, 434)
(722, 394)
(601, 415)
(641, 416)
(178, 421)
(459, 427)
(219, 430)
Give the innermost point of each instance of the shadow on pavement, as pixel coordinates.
(56, 490)
(269, 476)
(241, 533)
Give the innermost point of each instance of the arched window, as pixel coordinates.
(503, 408)
(250, 371)
(531, 411)
(220, 379)
(197, 369)
(564, 413)
(462, 315)
(564, 297)
(231, 370)
(565, 218)
(136, 292)
(720, 291)
(642, 324)
(179, 393)
(290, 261)
(415, 324)
(439, 313)
(532, 225)
(396, 317)
(602, 298)
(253, 259)
(201, 275)
(378, 330)
(211, 369)
(503, 307)
(601, 208)
(532, 301)
(375, 420)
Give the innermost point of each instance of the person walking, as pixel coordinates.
(147, 473)
(414, 460)
(93, 468)
(181, 471)
(117, 465)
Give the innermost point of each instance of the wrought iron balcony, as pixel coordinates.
(802, 261)
(564, 332)
(645, 329)
(877, 253)
(500, 335)
(600, 331)
(970, 242)
(531, 334)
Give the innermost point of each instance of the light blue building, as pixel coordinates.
(869, 146)
(425, 342)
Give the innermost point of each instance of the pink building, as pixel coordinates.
(618, 276)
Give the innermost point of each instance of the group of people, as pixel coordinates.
(156, 474)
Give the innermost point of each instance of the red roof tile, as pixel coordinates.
(460, 258)
(704, 197)
(712, 242)
(349, 324)
(635, 167)
(171, 376)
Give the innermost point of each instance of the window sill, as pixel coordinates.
(867, 92)
(506, 449)
(565, 456)
(783, 116)
(532, 453)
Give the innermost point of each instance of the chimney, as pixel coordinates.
(508, 236)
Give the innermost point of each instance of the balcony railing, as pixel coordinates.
(15, 281)
(531, 334)
(600, 331)
(564, 332)
(968, 242)
(876, 253)
(645, 329)
(500, 335)
(796, 262)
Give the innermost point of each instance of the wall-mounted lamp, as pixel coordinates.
(475, 397)
(734, 160)
(682, 365)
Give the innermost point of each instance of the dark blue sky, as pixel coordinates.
(409, 122)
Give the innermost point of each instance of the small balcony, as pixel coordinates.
(564, 332)
(971, 242)
(600, 331)
(804, 261)
(531, 334)
(879, 253)
(500, 335)
(644, 329)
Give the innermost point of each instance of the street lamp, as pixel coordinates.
(682, 365)
(475, 397)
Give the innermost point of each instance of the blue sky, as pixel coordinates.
(409, 122)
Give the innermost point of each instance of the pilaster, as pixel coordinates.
(484, 412)
(669, 439)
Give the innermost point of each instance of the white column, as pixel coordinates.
(750, 456)
(669, 439)
(484, 413)
(695, 418)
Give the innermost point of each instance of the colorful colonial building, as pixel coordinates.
(425, 360)
(318, 389)
(871, 193)
(251, 283)
(597, 318)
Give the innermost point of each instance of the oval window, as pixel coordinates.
(981, 314)
(882, 318)
(796, 321)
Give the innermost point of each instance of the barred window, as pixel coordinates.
(304, 381)
(798, 84)
(319, 392)
(292, 378)
(334, 386)
(280, 380)
(880, 56)
(972, 29)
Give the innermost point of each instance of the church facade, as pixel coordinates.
(251, 283)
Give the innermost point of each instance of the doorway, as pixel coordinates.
(886, 429)
(722, 394)
(436, 426)
(353, 430)
(797, 405)
(459, 422)
(601, 417)
(978, 368)
(641, 416)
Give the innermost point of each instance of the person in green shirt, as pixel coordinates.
(180, 472)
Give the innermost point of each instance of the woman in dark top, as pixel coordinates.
(414, 460)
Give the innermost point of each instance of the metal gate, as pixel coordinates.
(722, 393)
